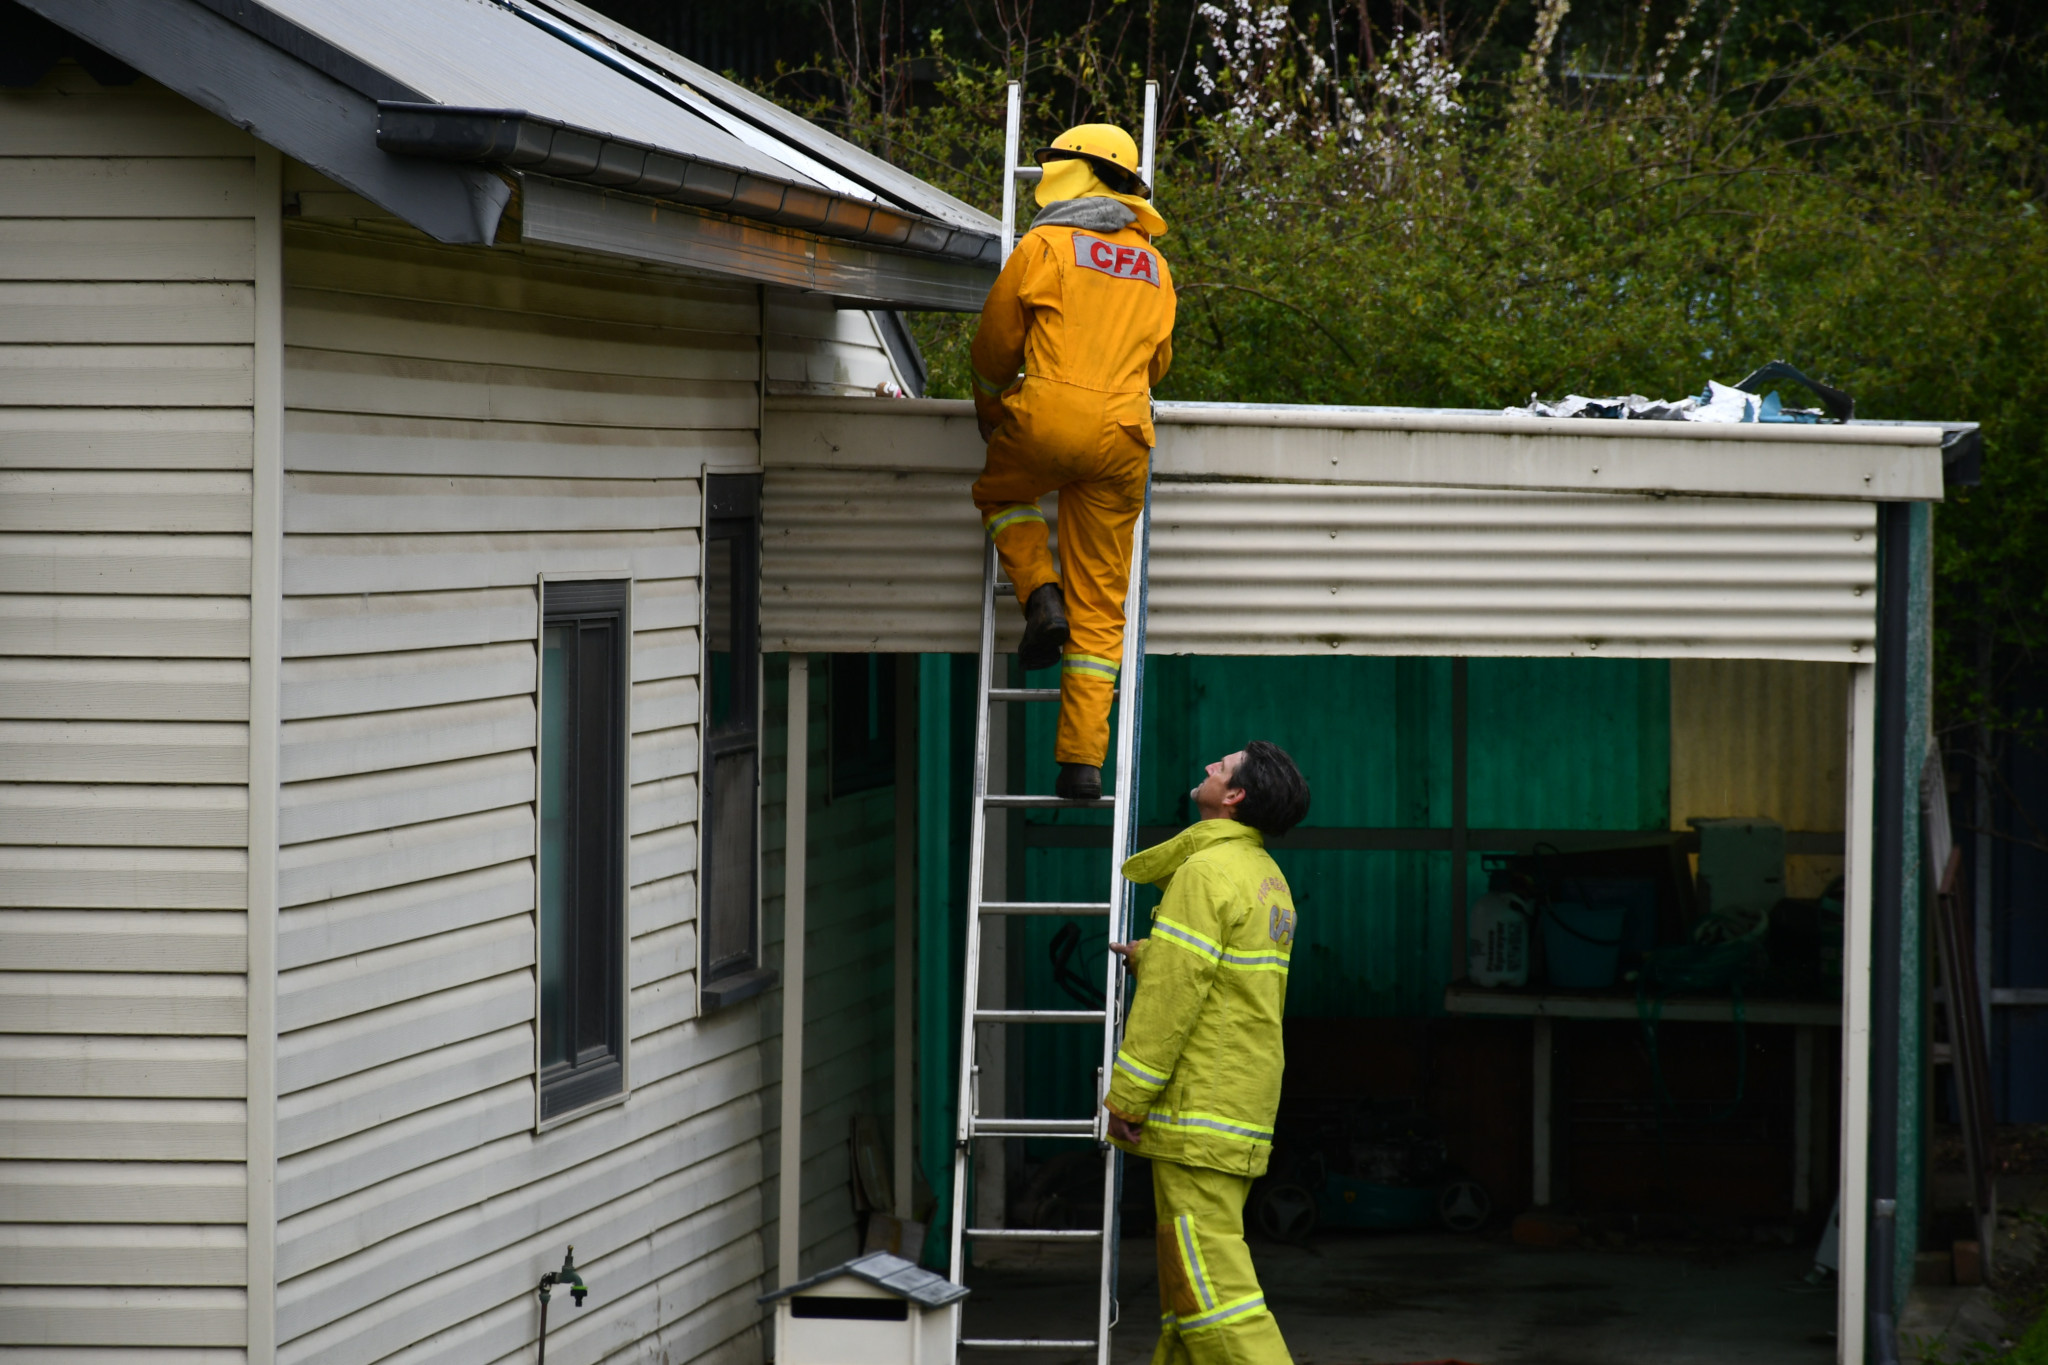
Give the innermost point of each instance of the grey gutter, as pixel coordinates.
(517, 140)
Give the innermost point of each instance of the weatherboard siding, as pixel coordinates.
(458, 424)
(127, 302)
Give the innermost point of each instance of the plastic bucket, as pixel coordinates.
(1583, 943)
(1638, 895)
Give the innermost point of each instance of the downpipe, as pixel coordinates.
(1888, 891)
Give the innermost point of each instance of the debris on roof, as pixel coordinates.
(1715, 403)
(1746, 401)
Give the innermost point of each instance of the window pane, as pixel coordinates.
(718, 629)
(729, 908)
(596, 794)
(557, 864)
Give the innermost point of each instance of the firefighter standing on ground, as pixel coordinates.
(1084, 308)
(1197, 1079)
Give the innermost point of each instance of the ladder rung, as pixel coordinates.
(1031, 173)
(1034, 1128)
(1025, 1344)
(1039, 1016)
(1038, 1234)
(1046, 907)
(1048, 802)
(1023, 694)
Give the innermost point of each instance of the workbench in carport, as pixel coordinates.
(1541, 1007)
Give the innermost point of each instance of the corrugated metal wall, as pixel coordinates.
(1246, 568)
(458, 423)
(1763, 737)
(1759, 737)
(127, 261)
(1554, 744)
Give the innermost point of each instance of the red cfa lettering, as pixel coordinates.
(1118, 262)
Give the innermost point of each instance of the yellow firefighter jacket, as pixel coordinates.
(1202, 1055)
(1077, 310)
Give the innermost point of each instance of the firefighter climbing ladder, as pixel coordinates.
(977, 1023)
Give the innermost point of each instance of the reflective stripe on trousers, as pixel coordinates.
(1214, 1310)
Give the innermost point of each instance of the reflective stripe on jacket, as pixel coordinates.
(1093, 310)
(1202, 1054)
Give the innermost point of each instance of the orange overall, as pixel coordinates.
(1088, 317)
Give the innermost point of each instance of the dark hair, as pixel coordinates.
(1275, 792)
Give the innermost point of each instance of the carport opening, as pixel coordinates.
(1690, 1162)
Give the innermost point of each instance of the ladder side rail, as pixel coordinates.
(1149, 145)
(1129, 787)
(963, 1147)
(1124, 826)
(1013, 119)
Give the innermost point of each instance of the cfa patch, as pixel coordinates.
(1123, 262)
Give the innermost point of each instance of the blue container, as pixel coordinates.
(1583, 943)
(1637, 894)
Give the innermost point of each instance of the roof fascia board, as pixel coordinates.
(304, 111)
(582, 218)
(1414, 448)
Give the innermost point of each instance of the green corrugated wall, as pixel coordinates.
(1552, 744)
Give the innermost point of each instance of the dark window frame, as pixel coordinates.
(729, 828)
(589, 1003)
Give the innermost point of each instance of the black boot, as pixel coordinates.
(1078, 782)
(1045, 628)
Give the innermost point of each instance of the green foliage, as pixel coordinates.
(1733, 192)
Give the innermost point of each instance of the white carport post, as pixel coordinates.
(1856, 912)
(796, 827)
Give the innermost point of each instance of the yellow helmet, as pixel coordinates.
(1107, 148)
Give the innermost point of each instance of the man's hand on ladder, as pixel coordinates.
(1121, 1128)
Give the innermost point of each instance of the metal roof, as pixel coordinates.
(923, 1287)
(423, 106)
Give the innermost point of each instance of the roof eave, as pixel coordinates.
(275, 87)
(438, 168)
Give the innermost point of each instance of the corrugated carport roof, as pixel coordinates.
(420, 105)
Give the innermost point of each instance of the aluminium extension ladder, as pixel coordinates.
(1115, 909)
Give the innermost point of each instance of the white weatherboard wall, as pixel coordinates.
(458, 423)
(127, 306)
